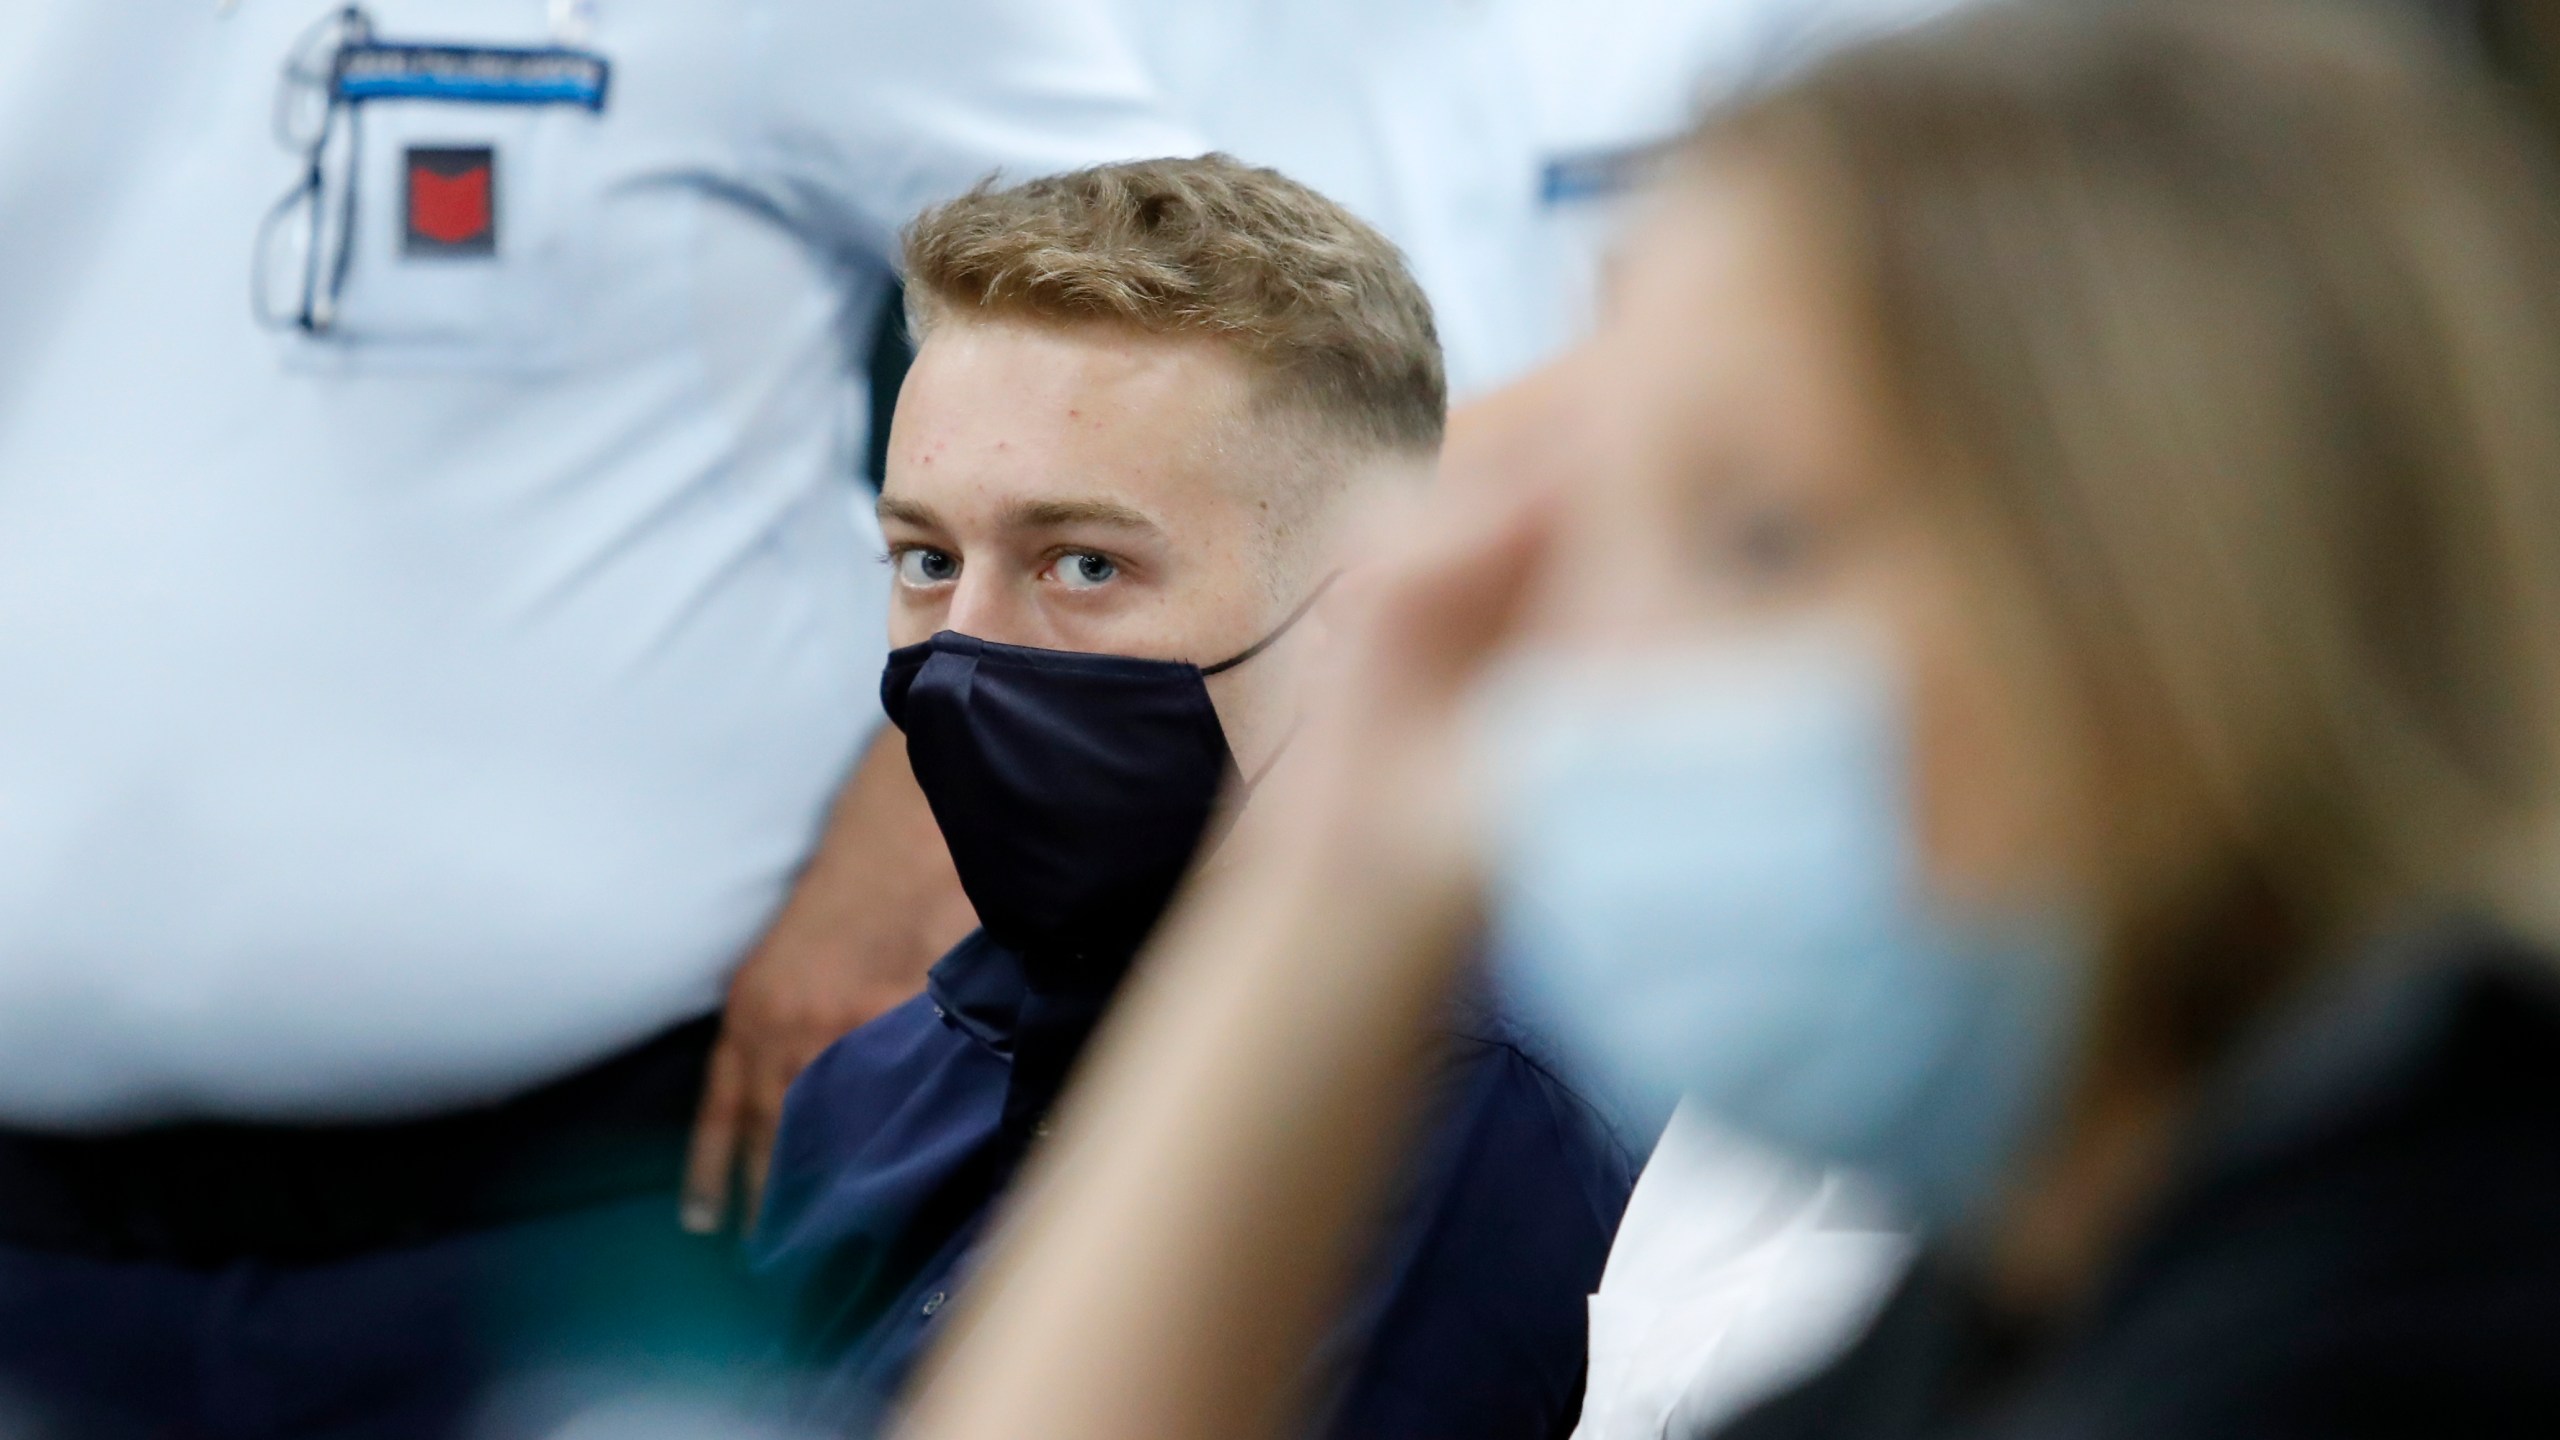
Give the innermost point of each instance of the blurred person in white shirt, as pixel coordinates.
(1500, 143)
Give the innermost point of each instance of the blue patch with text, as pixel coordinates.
(472, 74)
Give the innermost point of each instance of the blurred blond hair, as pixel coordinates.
(2233, 331)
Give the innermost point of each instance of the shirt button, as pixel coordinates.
(933, 1302)
(938, 1015)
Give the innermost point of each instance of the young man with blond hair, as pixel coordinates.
(1145, 399)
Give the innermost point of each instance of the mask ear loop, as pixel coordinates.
(1283, 628)
(1254, 781)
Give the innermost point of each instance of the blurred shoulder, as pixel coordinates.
(1502, 1079)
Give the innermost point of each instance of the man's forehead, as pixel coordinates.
(1050, 427)
(1103, 360)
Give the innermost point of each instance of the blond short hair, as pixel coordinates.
(1336, 325)
(2233, 332)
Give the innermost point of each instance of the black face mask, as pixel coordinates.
(1072, 788)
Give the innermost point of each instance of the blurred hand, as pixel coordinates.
(1384, 786)
(876, 906)
(1522, 436)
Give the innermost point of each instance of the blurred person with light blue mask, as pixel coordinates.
(1710, 885)
(2039, 682)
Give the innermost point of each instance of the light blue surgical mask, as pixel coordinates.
(1704, 881)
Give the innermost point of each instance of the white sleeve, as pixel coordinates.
(874, 109)
(1736, 1272)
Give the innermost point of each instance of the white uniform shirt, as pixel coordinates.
(1736, 1273)
(398, 718)
(1496, 141)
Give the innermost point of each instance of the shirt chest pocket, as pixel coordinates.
(463, 235)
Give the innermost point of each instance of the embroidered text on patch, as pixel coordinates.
(482, 74)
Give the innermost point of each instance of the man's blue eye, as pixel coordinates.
(1084, 570)
(927, 567)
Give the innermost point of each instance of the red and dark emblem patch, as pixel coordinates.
(452, 200)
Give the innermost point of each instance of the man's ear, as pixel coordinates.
(1324, 622)
(1372, 516)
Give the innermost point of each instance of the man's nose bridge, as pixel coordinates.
(994, 603)
(981, 604)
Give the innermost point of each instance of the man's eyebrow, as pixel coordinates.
(1053, 514)
(906, 511)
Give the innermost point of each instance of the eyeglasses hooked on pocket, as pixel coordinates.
(422, 224)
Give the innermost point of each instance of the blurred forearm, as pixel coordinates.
(875, 906)
(883, 874)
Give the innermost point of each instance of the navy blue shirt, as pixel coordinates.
(896, 1143)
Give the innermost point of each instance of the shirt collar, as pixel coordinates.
(989, 992)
